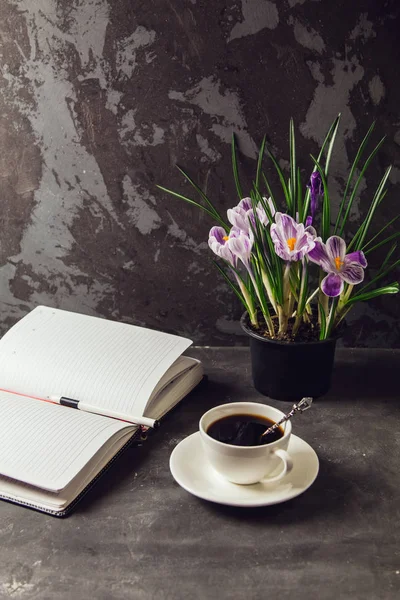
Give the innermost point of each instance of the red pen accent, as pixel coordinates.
(143, 428)
(28, 396)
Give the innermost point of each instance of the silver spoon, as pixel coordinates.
(303, 405)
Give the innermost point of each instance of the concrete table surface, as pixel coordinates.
(138, 535)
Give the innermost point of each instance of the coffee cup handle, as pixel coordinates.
(287, 466)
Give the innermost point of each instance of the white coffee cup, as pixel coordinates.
(247, 464)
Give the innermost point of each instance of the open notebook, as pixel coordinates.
(74, 392)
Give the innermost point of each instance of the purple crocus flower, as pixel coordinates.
(261, 217)
(291, 240)
(316, 192)
(238, 215)
(241, 244)
(270, 205)
(231, 247)
(217, 240)
(246, 204)
(309, 221)
(332, 258)
(243, 214)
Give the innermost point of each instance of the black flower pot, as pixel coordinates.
(290, 370)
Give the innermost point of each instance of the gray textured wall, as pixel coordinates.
(98, 101)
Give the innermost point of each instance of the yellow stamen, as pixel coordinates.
(225, 238)
(338, 263)
(291, 242)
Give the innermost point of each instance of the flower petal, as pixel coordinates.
(250, 218)
(316, 190)
(261, 215)
(235, 232)
(304, 243)
(320, 256)
(357, 257)
(332, 285)
(299, 231)
(287, 224)
(246, 204)
(225, 253)
(312, 231)
(237, 216)
(218, 233)
(285, 232)
(316, 182)
(214, 245)
(280, 243)
(352, 273)
(270, 205)
(336, 248)
(241, 247)
(219, 246)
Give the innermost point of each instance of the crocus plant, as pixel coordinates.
(269, 255)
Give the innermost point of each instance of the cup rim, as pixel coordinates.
(243, 448)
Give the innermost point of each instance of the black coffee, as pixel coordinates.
(244, 430)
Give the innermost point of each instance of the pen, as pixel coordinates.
(72, 403)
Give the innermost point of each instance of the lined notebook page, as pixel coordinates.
(101, 363)
(47, 445)
(56, 501)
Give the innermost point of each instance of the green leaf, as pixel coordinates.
(235, 168)
(306, 204)
(247, 284)
(380, 231)
(294, 283)
(259, 162)
(293, 170)
(388, 289)
(359, 154)
(322, 333)
(201, 194)
(189, 201)
(392, 237)
(262, 296)
(374, 204)
(276, 268)
(265, 261)
(359, 179)
(331, 144)
(388, 256)
(332, 316)
(269, 190)
(381, 274)
(231, 284)
(281, 179)
(326, 207)
(256, 227)
(266, 207)
(294, 276)
(299, 193)
(303, 288)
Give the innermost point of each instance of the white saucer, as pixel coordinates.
(191, 470)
